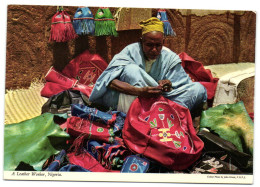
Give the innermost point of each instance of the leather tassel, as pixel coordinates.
(162, 15)
(83, 21)
(105, 23)
(61, 27)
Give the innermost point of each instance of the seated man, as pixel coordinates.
(146, 69)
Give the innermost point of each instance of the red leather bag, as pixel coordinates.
(61, 27)
(80, 74)
(77, 155)
(56, 82)
(162, 130)
(86, 68)
(77, 126)
(198, 73)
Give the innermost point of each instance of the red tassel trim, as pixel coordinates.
(78, 143)
(61, 28)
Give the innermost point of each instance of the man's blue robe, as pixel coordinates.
(129, 66)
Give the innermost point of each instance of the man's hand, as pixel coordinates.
(166, 85)
(149, 91)
(126, 88)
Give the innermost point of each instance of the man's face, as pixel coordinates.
(152, 43)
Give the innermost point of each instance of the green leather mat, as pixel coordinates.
(32, 141)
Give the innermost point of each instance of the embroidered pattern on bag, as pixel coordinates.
(161, 116)
(100, 13)
(170, 124)
(178, 135)
(161, 109)
(153, 123)
(164, 135)
(177, 144)
(133, 167)
(89, 77)
(147, 118)
(90, 72)
(100, 129)
(111, 131)
(166, 126)
(79, 12)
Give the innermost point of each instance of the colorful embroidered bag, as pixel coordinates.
(56, 164)
(77, 126)
(114, 119)
(86, 68)
(92, 114)
(135, 164)
(61, 27)
(83, 21)
(111, 156)
(167, 28)
(58, 82)
(105, 23)
(162, 130)
(78, 155)
(80, 74)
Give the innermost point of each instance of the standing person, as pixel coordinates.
(146, 69)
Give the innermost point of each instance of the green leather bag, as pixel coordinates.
(33, 141)
(104, 23)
